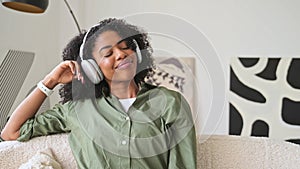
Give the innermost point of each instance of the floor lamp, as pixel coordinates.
(34, 6)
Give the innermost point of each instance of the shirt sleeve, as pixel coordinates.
(182, 134)
(183, 155)
(52, 121)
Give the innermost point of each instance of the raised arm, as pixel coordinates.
(62, 73)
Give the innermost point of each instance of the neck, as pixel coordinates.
(124, 90)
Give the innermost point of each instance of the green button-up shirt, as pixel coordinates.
(157, 132)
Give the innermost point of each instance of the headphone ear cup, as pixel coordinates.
(92, 70)
(138, 51)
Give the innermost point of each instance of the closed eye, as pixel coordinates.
(108, 54)
(123, 45)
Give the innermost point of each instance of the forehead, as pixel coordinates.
(107, 38)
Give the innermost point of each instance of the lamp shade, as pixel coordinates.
(32, 6)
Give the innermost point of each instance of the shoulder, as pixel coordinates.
(150, 87)
(64, 107)
(171, 94)
(169, 91)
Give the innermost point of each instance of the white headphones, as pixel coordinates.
(91, 68)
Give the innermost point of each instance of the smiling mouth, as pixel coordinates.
(124, 64)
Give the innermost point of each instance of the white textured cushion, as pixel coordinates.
(13, 153)
(229, 152)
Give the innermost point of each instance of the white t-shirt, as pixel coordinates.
(126, 103)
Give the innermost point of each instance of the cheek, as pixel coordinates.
(105, 64)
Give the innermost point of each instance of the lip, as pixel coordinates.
(124, 64)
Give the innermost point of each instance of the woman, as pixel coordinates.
(115, 119)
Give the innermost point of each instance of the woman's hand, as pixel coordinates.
(63, 73)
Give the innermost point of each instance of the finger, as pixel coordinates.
(77, 67)
(72, 66)
(82, 80)
(78, 71)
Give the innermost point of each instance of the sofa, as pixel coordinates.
(213, 152)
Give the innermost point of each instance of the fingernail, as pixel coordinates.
(78, 75)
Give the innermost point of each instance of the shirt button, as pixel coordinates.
(127, 118)
(123, 142)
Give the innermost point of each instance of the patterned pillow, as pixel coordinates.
(42, 160)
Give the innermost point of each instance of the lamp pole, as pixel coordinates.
(77, 25)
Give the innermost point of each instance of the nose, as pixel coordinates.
(120, 54)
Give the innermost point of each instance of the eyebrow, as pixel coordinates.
(105, 47)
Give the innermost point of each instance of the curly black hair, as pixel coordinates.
(75, 90)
